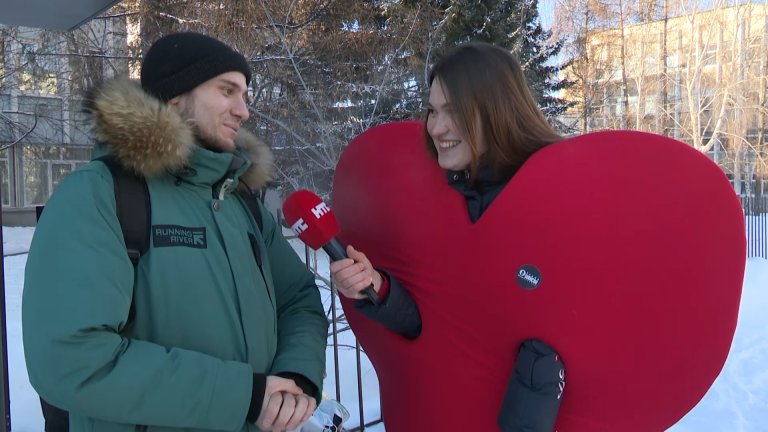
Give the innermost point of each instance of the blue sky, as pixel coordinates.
(546, 12)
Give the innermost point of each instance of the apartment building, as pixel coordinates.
(698, 77)
(43, 78)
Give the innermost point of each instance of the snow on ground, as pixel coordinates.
(738, 400)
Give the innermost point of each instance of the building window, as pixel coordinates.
(43, 117)
(79, 129)
(45, 166)
(650, 104)
(650, 60)
(94, 67)
(2, 62)
(709, 54)
(59, 170)
(5, 178)
(35, 180)
(38, 70)
(7, 122)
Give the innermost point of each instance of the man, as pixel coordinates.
(202, 335)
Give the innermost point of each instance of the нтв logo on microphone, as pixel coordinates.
(320, 210)
(299, 226)
(528, 277)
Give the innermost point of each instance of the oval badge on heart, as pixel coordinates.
(623, 250)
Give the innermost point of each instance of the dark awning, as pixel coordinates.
(59, 15)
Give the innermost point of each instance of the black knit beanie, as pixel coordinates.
(179, 62)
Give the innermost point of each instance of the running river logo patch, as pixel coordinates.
(176, 235)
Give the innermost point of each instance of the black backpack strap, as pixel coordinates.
(133, 208)
(252, 201)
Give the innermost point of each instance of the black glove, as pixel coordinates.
(535, 390)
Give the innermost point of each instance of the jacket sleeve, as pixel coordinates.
(77, 294)
(397, 312)
(534, 391)
(302, 326)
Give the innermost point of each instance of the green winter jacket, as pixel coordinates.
(206, 317)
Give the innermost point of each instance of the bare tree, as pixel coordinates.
(720, 85)
(589, 68)
(693, 73)
(43, 78)
(324, 71)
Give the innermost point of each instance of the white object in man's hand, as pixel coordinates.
(329, 416)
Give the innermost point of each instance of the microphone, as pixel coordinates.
(315, 224)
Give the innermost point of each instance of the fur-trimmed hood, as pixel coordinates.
(149, 138)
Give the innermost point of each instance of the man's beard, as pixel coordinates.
(201, 139)
(187, 112)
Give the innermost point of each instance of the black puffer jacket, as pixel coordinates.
(479, 195)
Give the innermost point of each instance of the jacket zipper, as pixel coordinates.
(225, 187)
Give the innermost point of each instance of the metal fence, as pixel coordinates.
(756, 222)
(338, 325)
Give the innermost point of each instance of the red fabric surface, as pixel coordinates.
(639, 240)
(384, 288)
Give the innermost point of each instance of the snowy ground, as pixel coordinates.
(738, 401)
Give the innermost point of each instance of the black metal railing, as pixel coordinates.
(756, 223)
(339, 325)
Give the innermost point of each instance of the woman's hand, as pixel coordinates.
(352, 275)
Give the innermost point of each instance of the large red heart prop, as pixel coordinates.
(639, 244)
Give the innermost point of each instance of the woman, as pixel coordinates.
(482, 124)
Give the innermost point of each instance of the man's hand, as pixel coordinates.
(286, 411)
(285, 406)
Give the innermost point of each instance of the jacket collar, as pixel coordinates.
(208, 168)
(481, 193)
(485, 178)
(149, 138)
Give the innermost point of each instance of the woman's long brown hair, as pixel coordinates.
(492, 101)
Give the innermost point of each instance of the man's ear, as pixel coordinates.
(175, 101)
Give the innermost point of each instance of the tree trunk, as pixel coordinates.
(152, 21)
(664, 103)
(586, 78)
(624, 85)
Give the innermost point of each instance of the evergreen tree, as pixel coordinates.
(515, 25)
(537, 55)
